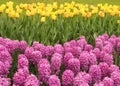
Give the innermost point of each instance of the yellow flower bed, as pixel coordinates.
(53, 10)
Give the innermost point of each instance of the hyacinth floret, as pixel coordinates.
(4, 81)
(44, 70)
(22, 46)
(74, 65)
(22, 61)
(20, 76)
(49, 51)
(56, 62)
(84, 60)
(67, 78)
(104, 69)
(54, 81)
(115, 76)
(31, 80)
(58, 48)
(108, 81)
(95, 73)
(66, 58)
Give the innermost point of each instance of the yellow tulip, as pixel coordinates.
(118, 21)
(7, 11)
(2, 7)
(22, 5)
(112, 13)
(99, 5)
(94, 11)
(101, 14)
(9, 4)
(19, 10)
(71, 14)
(54, 17)
(61, 6)
(43, 19)
(28, 13)
(33, 12)
(11, 14)
(73, 3)
(55, 6)
(66, 15)
(17, 15)
(88, 14)
(84, 14)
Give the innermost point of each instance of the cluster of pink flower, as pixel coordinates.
(75, 63)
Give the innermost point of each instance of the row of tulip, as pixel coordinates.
(53, 10)
(58, 23)
(75, 63)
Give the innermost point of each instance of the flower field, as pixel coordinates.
(58, 23)
(75, 63)
(59, 44)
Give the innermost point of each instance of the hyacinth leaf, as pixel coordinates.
(13, 69)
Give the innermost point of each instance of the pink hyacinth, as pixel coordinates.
(4, 81)
(85, 77)
(44, 70)
(76, 51)
(99, 84)
(36, 56)
(20, 76)
(3, 48)
(92, 59)
(54, 81)
(22, 61)
(5, 56)
(56, 62)
(95, 73)
(28, 52)
(58, 48)
(101, 55)
(108, 59)
(67, 47)
(73, 43)
(79, 82)
(67, 78)
(39, 47)
(82, 42)
(22, 46)
(33, 56)
(4, 68)
(112, 69)
(108, 48)
(105, 36)
(84, 60)
(112, 40)
(99, 43)
(10, 46)
(108, 81)
(96, 51)
(49, 51)
(88, 47)
(116, 78)
(16, 44)
(74, 65)
(31, 80)
(104, 69)
(2, 41)
(66, 58)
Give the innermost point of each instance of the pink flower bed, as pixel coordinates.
(75, 63)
